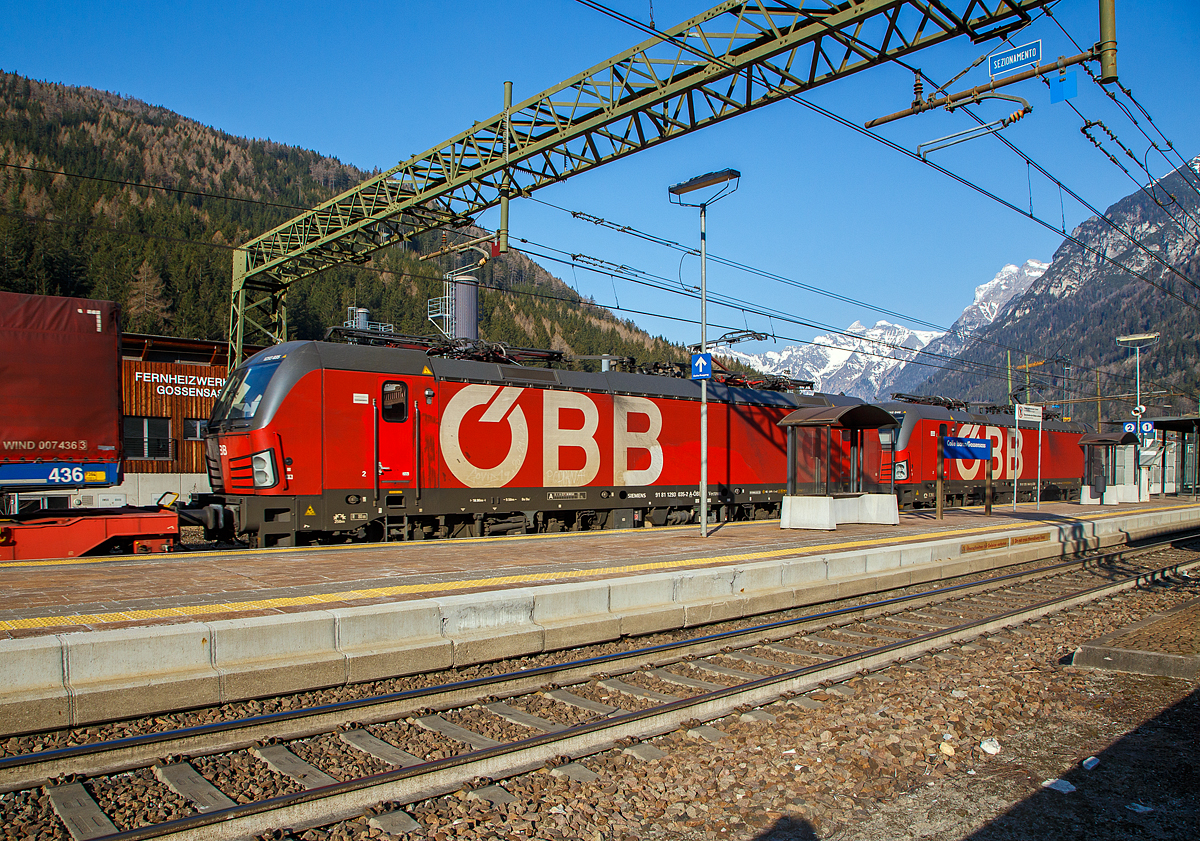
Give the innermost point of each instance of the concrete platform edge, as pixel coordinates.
(88, 677)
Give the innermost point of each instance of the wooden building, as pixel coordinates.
(168, 388)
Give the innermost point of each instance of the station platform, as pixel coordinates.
(1167, 645)
(90, 639)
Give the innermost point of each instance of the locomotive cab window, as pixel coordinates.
(394, 405)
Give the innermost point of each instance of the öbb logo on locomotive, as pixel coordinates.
(570, 423)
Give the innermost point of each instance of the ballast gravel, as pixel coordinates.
(137, 799)
(903, 757)
(894, 754)
(244, 778)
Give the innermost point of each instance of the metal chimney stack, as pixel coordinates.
(466, 308)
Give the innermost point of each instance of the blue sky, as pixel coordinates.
(372, 83)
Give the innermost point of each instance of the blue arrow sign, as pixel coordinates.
(701, 366)
(1016, 58)
(967, 449)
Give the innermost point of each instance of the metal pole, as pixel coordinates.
(1010, 376)
(1138, 364)
(1108, 41)
(502, 239)
(1012, 454)
(1039, 484)
(941, 466)
(703, 383)
(892, 477)
(987, 489)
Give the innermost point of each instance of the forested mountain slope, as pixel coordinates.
(105, 196)
(1074, 312)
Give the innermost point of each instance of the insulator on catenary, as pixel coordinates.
(918, 90)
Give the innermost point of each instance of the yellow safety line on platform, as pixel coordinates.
(444, 586)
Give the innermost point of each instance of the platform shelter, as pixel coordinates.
(833, 467)
(1178, 469)
(1110, 469)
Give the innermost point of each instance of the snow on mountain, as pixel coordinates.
(854, 362)
(872, 362)
(991, 299)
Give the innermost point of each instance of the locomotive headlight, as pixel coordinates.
(264, 469)
(900, 471)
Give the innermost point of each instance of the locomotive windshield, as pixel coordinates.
(240, 398)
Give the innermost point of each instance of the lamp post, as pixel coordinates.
(1137, 341)
(727, 180)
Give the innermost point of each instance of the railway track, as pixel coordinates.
(500, 726)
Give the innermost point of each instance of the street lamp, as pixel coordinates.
(1137, 341)
(727, 180)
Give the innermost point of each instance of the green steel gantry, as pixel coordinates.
(730, 59)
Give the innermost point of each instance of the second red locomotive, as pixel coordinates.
(1015, 455)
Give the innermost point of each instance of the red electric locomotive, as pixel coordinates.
(1015, 455)
(316, 441)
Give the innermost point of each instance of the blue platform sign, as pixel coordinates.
(1024, 56)
(1129, 426)
(1147, 427)
(701, 366)
(967, 449)
(30, 475)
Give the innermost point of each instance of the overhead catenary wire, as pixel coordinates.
(665, 285)
(1129, 94)
(688, 250)
(980, 369)
(270, 204)
(578, 214)
(594, 4)
(988, 372)
(160, 187)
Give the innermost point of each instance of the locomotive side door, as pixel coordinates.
(395, 436)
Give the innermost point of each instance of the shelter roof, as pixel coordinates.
(1186, 423)
(1110, 438)
(859, 416)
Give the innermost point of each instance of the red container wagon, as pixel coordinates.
(1015, 453)
(316, 442)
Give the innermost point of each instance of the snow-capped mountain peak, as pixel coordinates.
(871, 362)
